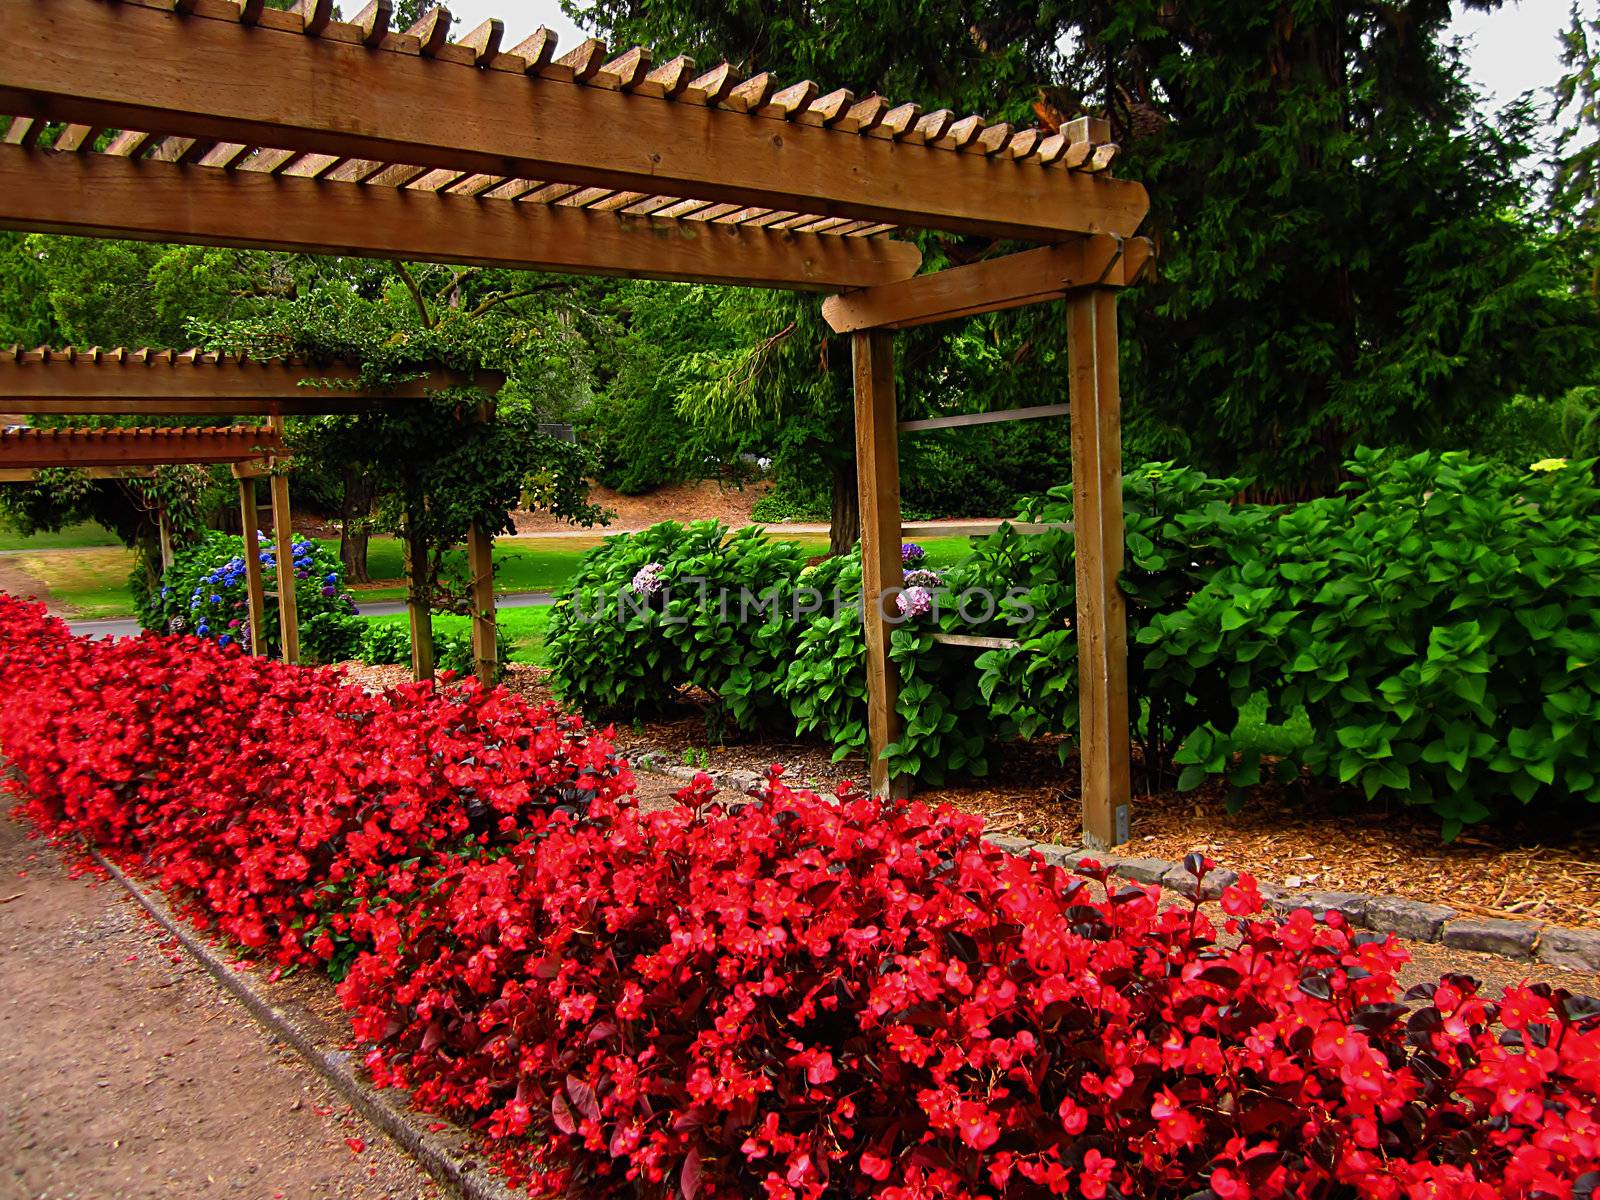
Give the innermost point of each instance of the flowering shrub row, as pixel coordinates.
(798, 1000)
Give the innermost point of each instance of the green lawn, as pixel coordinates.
(73, 537)
(526, 564)
(92, 580)
(525, 627)
(546, 564)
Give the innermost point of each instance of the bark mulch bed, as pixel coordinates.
(1312, 841)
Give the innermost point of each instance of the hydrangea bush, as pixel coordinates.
(653, 613)
(205, 593)
(797, 999)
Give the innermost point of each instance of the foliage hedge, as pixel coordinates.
(1439, 622)
(1436, 623)
(616, 640)
(799, 999)
(204, 593)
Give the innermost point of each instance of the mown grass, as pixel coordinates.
(92, 582)
(525, 627)
(73, 537)
(534, 563)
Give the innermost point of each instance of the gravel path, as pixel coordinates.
(133, 1077)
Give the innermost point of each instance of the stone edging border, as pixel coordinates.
(444, 1155)
(1522, 941)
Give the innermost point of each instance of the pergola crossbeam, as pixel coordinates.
(36, 449)
(31, 474)
(80, 382)
(1037, 412)
(1017, 280)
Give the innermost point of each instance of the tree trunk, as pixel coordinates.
(844, 527)
(356, 530)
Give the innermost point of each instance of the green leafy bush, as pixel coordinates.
(453, 651)
(204, 593)
(384, 643)
(825, 682)
(1437, 622)
(678, 606)
(1435, 626)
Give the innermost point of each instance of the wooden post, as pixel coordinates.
(250, 520)
(418, 608)
(164, 525)
(878, 479)
(283, 534)
(480, 562)
(1097, 518)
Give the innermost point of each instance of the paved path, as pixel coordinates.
(378, 608)
(130, 1075)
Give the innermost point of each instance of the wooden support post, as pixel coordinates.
(1097, 518)
(878, 478)
(418, 607)
(480, 562)
(250, 520)
(283, 534)
(164, 525)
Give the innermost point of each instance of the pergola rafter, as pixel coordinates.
(219, 122)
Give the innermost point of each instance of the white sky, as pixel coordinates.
(1510, 52)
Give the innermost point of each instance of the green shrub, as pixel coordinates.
(1437, 622)
(453, 651)
(785, 504)
(204, 593)
(628, 638)
(384, 643)
(825, 682)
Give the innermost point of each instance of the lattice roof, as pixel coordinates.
(38, 449)
(242, 92)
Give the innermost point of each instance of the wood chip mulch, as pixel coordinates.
(1317, 842)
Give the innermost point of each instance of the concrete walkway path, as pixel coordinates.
(127, 627)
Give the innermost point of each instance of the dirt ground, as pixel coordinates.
(17, 582)
(698, 501)
(131, 1076)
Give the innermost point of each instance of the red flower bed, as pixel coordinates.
(798, 999)
(280, 801)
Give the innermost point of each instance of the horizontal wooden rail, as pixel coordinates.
(984, 418)
(1030, 277)
(976, 642)
(73, 381)
(974, 528)
(101, 196)
(36, 449)
(29, 474)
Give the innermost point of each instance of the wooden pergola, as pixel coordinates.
(151, 383)
(225, 122)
